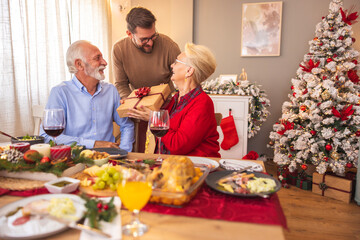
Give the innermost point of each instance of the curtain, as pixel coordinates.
(35, 35)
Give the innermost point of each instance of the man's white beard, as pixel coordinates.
(95, 73)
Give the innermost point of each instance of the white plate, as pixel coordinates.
(207, 161)
(232, 164)
(36, 227)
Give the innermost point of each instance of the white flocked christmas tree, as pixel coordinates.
(320, 124)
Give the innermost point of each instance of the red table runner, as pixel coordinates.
(214, 205)
(210, 204)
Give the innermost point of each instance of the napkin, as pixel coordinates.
(113, 228)
(238, 165)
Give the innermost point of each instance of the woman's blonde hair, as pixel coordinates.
(201, 59)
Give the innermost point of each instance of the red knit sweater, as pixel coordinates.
(193, 130)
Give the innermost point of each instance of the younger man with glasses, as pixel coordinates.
(143, 58)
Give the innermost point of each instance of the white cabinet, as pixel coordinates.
(240, 109)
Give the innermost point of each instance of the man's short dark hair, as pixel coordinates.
(139, 17)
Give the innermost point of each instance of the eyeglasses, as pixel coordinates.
(179, 61)
(146, 40)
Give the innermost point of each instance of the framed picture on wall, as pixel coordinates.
(227, 77)
(261, 29)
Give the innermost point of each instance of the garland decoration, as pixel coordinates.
(258, 104)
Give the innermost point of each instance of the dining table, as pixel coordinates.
(180, 227)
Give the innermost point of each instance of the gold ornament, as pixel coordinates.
(335, 155)
(325, 95)
(243, 75)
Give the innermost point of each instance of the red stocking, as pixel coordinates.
(230, 134)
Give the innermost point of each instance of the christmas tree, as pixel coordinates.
(320, 124)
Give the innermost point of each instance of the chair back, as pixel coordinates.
(218, 117)
(38, 111)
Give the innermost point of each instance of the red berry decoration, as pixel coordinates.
(304, 167)
(106, 207)
(99, 205)
(328, 147)
(329, 60)
(349, 165)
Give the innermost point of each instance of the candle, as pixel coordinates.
(42, 148)
(60, 151)
(22, 147)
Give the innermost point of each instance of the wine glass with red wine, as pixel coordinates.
(159, 124)
(54, 122)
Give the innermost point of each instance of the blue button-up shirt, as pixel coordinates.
(89, 117)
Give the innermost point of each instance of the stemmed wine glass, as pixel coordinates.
(54, 122)
(134, 194)
(159, 124)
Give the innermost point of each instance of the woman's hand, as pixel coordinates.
(143, 113)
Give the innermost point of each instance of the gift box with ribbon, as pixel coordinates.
(332, 186)
(303, 184)
(152, 98)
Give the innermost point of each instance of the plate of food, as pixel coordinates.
(244, 184)
(113, 152)
(199, 161)
(19, 221)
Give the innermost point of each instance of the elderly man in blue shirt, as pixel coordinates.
(89, 103)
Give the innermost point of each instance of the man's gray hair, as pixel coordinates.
(75, 51)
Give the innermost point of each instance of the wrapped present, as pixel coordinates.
(152, 98)
(303, 184)
(332, 186)
(292, 177)
(283, 174)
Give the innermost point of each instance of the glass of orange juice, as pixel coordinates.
(134, 194)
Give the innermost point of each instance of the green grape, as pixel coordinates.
(101, 184)
(112, 171)
(100, 173)
(110, 181)
(95, 187)
(105, 176)
(113, 187)
(116, 176)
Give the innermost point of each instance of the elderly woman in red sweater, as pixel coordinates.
(193, 129)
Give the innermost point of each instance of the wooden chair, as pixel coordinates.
(37, 113)
(218, 117)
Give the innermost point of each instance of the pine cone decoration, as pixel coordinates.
(13, 155)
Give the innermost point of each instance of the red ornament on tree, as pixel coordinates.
(341, 38)
(292, 87)
(303, 108)
(335, 130)
(294, 94)
(321, 44)
(329, 60)
(305, 91)
(326, 159)
(290, 155)
(324, 77)
(304, 167)
(328, 147)
(353, 40)
(349, 165)
(335, 55)
(354, 61)
(313, 132)
(357, 133)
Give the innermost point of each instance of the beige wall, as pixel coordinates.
(217, 24)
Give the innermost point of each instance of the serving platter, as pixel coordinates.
(36, 227)
(114, 152)
(238, 165)
(213, 178)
